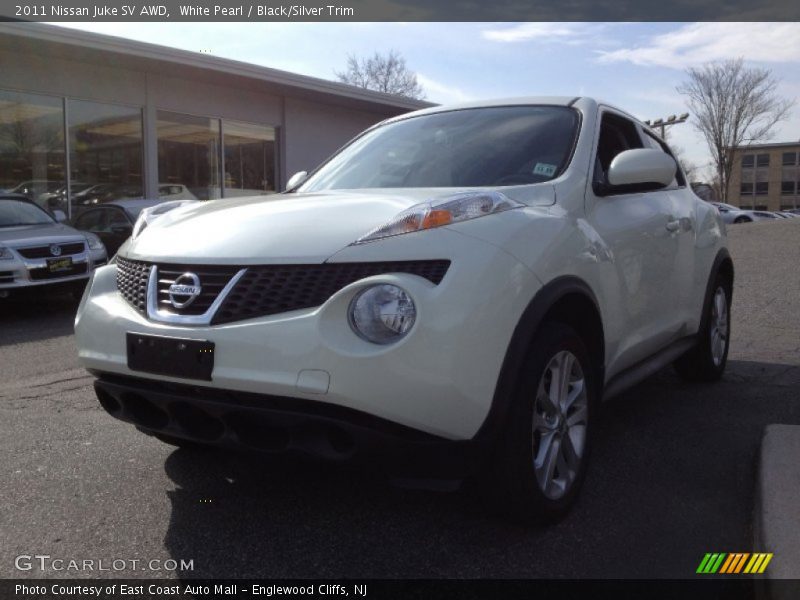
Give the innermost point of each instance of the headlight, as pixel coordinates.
(95, 243)
(442, 211)
(5, 254)
(382, 314)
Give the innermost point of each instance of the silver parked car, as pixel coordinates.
(733, 214)
(36, 250)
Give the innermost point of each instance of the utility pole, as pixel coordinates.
(662, 124)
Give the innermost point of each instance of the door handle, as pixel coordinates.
(673, 226)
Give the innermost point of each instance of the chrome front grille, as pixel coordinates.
(254, 291)
(212, 280)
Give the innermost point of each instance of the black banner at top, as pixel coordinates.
(400, 10)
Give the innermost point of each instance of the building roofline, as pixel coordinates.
(225, 66)
(767, 145)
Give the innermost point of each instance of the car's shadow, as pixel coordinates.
(36, 315)
(671, 478)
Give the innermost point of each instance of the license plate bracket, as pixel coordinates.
(56, 265)
(171, 356)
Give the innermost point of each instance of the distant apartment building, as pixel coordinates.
(766, 176)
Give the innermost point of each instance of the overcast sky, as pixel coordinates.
(633, 65)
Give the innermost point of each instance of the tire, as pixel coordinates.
(707, 360)
(742, 220)
(520, 484)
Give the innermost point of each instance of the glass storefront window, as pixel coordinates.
(188, 156)
(105, 152)
(31, 145)
(249, 159)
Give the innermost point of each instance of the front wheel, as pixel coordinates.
(541, 458)
(707, 360)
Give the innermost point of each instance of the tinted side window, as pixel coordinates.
(617, 134)
(91, 220)
(117, 218)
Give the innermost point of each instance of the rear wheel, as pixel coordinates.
(541, 458)
(742, 220)
(707, 360)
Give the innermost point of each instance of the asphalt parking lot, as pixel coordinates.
(672, 475)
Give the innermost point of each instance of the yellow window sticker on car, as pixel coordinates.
(544, 169)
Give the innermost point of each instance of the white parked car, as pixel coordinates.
(732, 214)
(452, 294)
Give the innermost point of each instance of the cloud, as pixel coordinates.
(442, 93)
(525, 32)
(697, 43)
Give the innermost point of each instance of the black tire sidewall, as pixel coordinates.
(514, 471)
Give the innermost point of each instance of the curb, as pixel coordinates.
(777, 510)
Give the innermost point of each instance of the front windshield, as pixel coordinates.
(14, 213)
(477, 147)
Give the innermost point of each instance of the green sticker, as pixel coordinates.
(544, 169)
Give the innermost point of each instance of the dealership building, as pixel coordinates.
(99, 118)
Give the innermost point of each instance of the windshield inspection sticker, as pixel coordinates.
(544, 169)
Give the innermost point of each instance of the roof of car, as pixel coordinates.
(583, 102)
(15, 196)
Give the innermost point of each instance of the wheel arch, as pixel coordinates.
(568, 300)
(723, 264)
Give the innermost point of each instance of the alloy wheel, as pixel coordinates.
(560, 418)
(719, 326)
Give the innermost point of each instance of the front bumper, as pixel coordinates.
(288, 426)
(24, 273)
(440, 379)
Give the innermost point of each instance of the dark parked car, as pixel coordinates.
(113, 221)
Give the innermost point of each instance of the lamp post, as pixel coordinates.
(662, 124)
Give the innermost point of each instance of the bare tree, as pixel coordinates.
(733, 104)
(690, 169)
(383, 73)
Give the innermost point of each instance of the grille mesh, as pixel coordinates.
(269, 290)
(132, 282)
(263, 290)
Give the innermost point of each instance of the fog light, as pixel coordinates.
(382, 314)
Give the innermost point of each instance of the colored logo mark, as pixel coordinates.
(735, 562)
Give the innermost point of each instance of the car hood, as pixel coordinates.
(291, 228)
(288, 228)
(31, 234)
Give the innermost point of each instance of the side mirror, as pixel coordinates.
(60, 215)
(295, 180)
(643, 168)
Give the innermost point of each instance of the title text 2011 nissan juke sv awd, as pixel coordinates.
(450, 295)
